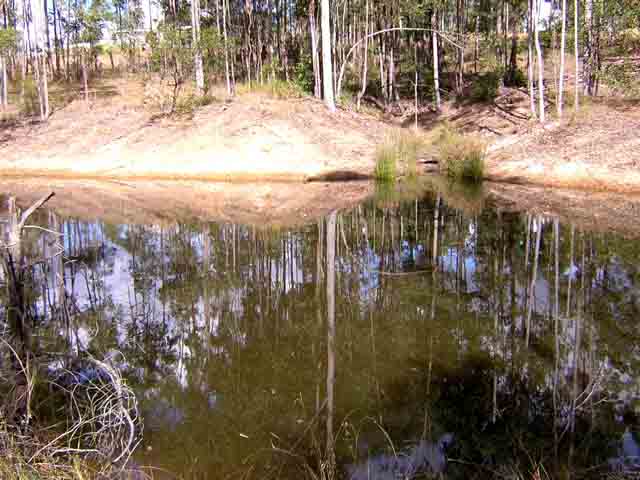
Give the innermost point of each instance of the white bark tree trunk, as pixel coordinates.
(45, 89)
(315, 58)
(85, 84)
(365, 59)
(536, 31)
(530, 82)
(327, 66)
(436, 74)
(4, 101)
(197, 54)
(226, 47)
(563, 39)
(576, 100)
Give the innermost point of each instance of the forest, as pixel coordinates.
(383, 52)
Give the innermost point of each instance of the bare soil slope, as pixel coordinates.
(599, 149)
(251, 137)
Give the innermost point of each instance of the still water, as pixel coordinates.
(403, 338)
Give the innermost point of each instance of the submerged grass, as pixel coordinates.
(461, 156)
(398, 155)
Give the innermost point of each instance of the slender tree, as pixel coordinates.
(327, 63)
(197, 48)
(563, 38)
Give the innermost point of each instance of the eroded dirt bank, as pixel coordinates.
(252, 137)
(598, 150)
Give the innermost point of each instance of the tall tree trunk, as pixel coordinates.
(540, 62)
(365, 57)
(327, 67)
(587, 58)
(85, 83)
(315, 58)
(476, 50)
(56, 41)
(576, 53)
(46, 28)
(4, 100)
(530, 80)
(45, 89)
(563, 38)
(197, 54)
(226, 47)
(436, 61)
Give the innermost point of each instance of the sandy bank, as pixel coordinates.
(251, 137)
(598, 150)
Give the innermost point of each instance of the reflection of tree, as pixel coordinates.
(223, 326)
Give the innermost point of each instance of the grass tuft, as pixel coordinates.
(398, 152)
(461, 157)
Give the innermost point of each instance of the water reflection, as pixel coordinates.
(370, 344)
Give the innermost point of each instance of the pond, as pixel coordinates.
(401, 338)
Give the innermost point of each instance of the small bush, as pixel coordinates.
(486, 87)
(461, 157)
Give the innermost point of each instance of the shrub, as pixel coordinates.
(461, 157)
(486, 87)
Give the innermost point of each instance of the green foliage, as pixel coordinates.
(212, 46)
(8, 41)
(622, 78)
(461, 157)
(303, 73)
(485, 88)
(93, 20)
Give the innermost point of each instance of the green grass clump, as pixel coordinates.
(386, 164)
(461, 157)
(399, 152)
